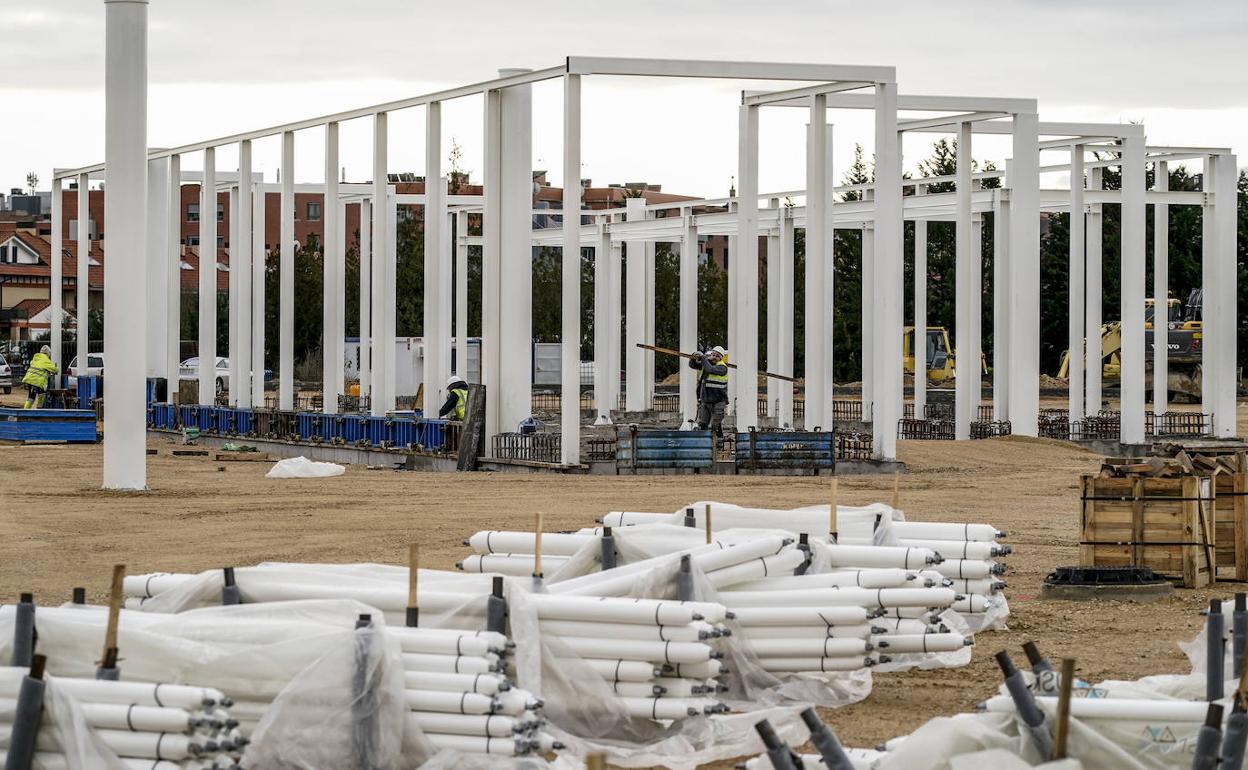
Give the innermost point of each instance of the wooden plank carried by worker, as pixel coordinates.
(472, 440)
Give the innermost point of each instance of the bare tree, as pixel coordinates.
(32, 181)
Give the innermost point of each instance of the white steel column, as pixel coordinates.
(635, 314)
(1208, 282)
(773, 315)
(340, 301)
(784, 353)
(1001, 303)
(332, 293)
(1094, 273)
(977, 314)
(82, 279)
(967, 362)
(515, 208)
(435, 337)
(366, 300)
(615, 316)
(461, 296)
(570, 337)
(259, 264)
(173, 277)
(1025, 277)
(867, 241)
(889, 274)
(235, 369)
(1075, 310)
(747, 275)
(732, 331)
(125, 142)
(829, 280)
(920, 316)
(383, 346)
(389, 300)
(1161, 291)
(1225, 294)
(446, 285)
(491, 224)
(157, 268)
(56, 282)
(208, 280)
(817, 202)
(286, 278)
(240, 263)
(1131, 378)
(688, 314)
(648, 355)
(604, 368)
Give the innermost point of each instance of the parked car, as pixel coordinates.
(95, 367)
(189, 370)
(6, 376)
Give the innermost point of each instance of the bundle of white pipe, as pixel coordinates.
(163, 725)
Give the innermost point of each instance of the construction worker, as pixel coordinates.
(456, 403)
(712, 388)
(36, 379)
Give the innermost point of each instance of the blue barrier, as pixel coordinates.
(90, 387)
(785, 450)
(664, 449)
(378, 431)
(76, 426)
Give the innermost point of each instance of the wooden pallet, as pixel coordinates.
(1230, 515)
(1162, 523)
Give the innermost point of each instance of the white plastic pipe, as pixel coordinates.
(801, 616)
(864, 578)
(632, 649)
(124, 693)
(473, 744)
(899, 643)
(965, 568)
(1120, 709)
(863, 597)
(511, 564)
(880, 556)
(706, 669)
(496, 641)
(797, 665)
(957, 549)
(504, 541)
(780, 564)
(516, 701)
(482, 725)
(619, 581)
(633, 518)
(904, 626)
(863, 631)
(153, 583)
(944, 531)
(113, 716)
(973, 604)
(446, 645)
(985, 586)
(617, 670)
(807, 648)
(667, 708)
(483, 684)
(450, 664)
(621, 610)
(693, 632)
(450, 702)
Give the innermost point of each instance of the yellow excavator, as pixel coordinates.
(1183, 341)
(941, 357)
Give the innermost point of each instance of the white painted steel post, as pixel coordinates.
(331, 294)
(389, 297)
(1161, 291)
(1225, 295)
(516, 254)
(125, 142)
(966, 363)
(1131, 378)
(784, 418)
(208, 280)
(1025, 277)
(1001, 303)
(919, 345)
(773, 313)
(570, 337)
(889, 274)
(977, 312)
(173, 277)
(603, 366)
(1208, 281)
(491, 332)
(157, 267)
(732, 331)
(366, 304)
(435, 218)
(635, 313)
(286, 278)
(241, 253)
(82, 280)
(867, 241)
(446, 282)
(818, 196)
(232, 311)
(340, 301)
(829, 280)
(56, 283)
(382, 345)
(259, 265)
(1075, 312)
(615, 315)
(747, 276)
(688, 314)
(648, 355)
(1093, 367)
(461, 297)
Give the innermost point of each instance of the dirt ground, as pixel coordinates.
(58, 530)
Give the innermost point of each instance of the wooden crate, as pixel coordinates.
(1162, 523)
(1231, 522)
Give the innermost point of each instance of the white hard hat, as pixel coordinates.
(720, 350)
(454, 379)
(47, 351)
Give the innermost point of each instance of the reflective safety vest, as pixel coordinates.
(41, 367)
(461, 402)
(718, 380)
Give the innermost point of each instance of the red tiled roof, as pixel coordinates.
(33, 307)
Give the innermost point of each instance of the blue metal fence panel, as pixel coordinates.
(378, 431)
(785, 450)
(664, 449)
(90, 387)
(69, 425)
(353, 428)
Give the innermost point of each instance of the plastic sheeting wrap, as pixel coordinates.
(303, 468)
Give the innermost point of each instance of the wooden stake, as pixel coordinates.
(413, 596)
(537, 546)
(832, 513)
(708, 523)
(596, 761)
(1063, 708)
(896, 490)
(115, 600)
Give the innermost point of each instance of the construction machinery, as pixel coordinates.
(940, 354)
(1183, 341)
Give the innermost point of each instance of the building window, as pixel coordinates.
(314, 212)
(192, 212)
(192, 240)
(220, 212)
(220, 241)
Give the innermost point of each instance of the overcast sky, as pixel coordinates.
(233, 65)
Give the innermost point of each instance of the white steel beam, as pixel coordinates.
(82, 304)
(331, 291)
(918, 103)
(1075, 306)
(1161, 292)
(56, 282)
(570, 337)
(259, 259)
(157, 268)
(286, 278)
(967, 362)
(889, 274)
(689, 68)
(1095, 271)
(240, 263)
(435, 337)
(1132, 374)
(1225, 295)
(1024, 374)
(747, 269)
(208, 281)
(766, 98)
(125, 142)
(817, 200)
(949, 120)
